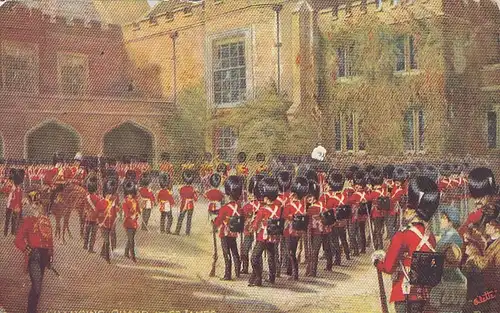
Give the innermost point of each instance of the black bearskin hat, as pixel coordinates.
(423, 197)
(221, 168)
(314, 189)
(261, 157)
(360, 178)
(445, 170)
(267, 187)
(208, 157)
(110, 187)
(233, 186)
(349, 175)
(132, 175)
(353, 169)
(312, 175)
(242, 157)
(482, 182)
(336, 181)
(222, 154)
(457, 169)
(111, 173)
(57, 158)
(375, 177)
(17, 176)
(188, 176)
(129, 188)
(300, 187)
(252, 184)
(145, 180)
(431, 172)
(369, 168)
(491, 212)
(215, 180)
(284, 180)
(389, 171)
(165, 156)
(92, 184)
(164, 180)
(400, 174)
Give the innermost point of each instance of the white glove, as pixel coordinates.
(378, 255)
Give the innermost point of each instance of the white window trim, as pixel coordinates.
(407, 71)
(60, 58)
(416, 133)
(343, 134)
(23, 45)
(248, 35)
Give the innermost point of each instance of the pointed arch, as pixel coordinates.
(129, 138)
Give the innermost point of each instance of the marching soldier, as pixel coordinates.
(380, 207)
(132, 211)
(320, 230)
(166, 166)
(91, 215)
(215, 198)
(295, 217)
(482, 189)
(206, 171)
(262, 168)
(338, 201)
(267, 226)
(397, 194)
(388, 173)
(166, 202)
(242, 170)
(230, 223)
(188, 197)
(250, 211)
(284, 179)
(108, 211)
(54, 179)
(146, 200)
(34, 239)
(13, 211)
(423, 201)
(359, 202)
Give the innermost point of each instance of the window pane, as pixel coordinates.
(400, 54)
(421, 130)
(338, 135)
(492, 130)
(361, 136)
(19, 69)
(408, 136)
(350, 132)
(341, 62)
(349, 62)
(230, 69)
(413, 60)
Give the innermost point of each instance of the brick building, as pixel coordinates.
(68, 85)
(440, 69)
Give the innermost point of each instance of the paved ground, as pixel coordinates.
(172, 276)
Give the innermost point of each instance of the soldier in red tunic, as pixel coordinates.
(266, 224)
(146, 200)
(284, 179)
(398, 195)
(295, 226)
(380, 208)
(482, 189)
(107, 212)
(423, 201)
(229, 221)
(132, 212)
(188, 197)
(250, 211)
(338, 202)
(14, 208)
(34, 238)
(91, 215)
(166, 202)
(214, 196)
(359, 202)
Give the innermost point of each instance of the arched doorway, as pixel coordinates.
(49, 138)
(128, 139)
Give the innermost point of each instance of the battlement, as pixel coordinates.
(17, 14)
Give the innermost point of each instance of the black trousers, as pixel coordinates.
(130, 246)
(90, 236)
(283, 259)
(146, 214)
(317, 241)
(229, 248)
(170, 218)
(38, 260)
(410, 307)
(112, 234)
(257, 265)
(378, 233)
(339, 237)
(357, 229)
(245, 250)
(293, 264)
(188, 223)
(106, 244)
(12, 219)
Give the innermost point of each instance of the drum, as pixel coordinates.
(236, 224)
(343, 212)
(274, 227)
(328, 217)
(299, 222)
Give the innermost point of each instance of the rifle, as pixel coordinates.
(214, 262)
(383, 297)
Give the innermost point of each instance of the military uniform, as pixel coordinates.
(249, 211)
(132, 212)
(13, 211)
(107, 214)
(166, 202)
(91, 214)
(228, 238)
(188, 198)
(335, 201)
(378, 215)
(357, 225)
(146, 201)
(292, 236)
(321, 236)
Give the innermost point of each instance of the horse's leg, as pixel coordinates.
(58, 225)
(67, 215)
(81, 213)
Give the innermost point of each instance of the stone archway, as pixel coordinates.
(129, 139)
(43, 141)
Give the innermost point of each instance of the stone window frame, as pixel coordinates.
(358, 144)
(496, 111)
(418, 121)
(60, 59)
(349, 56)
(410, 51)
(29, 49)
(247, 34)
(219, 143)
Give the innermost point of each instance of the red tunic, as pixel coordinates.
(250, 210)
(91, 213)
(147, 196)
(295, 207)
(222, 220)
(373, 196)
(334, 201)
(260, 223)
(15, 197)
(315, 222)
(132, 211)
(107, 212)
(325, 197)
(401, 248)
(35, 232)
(472, 218)
(214, 196)
(396, 196)
(50, 175)
(355, 200)
(188, 197)
(282, 199)
(166, 200)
